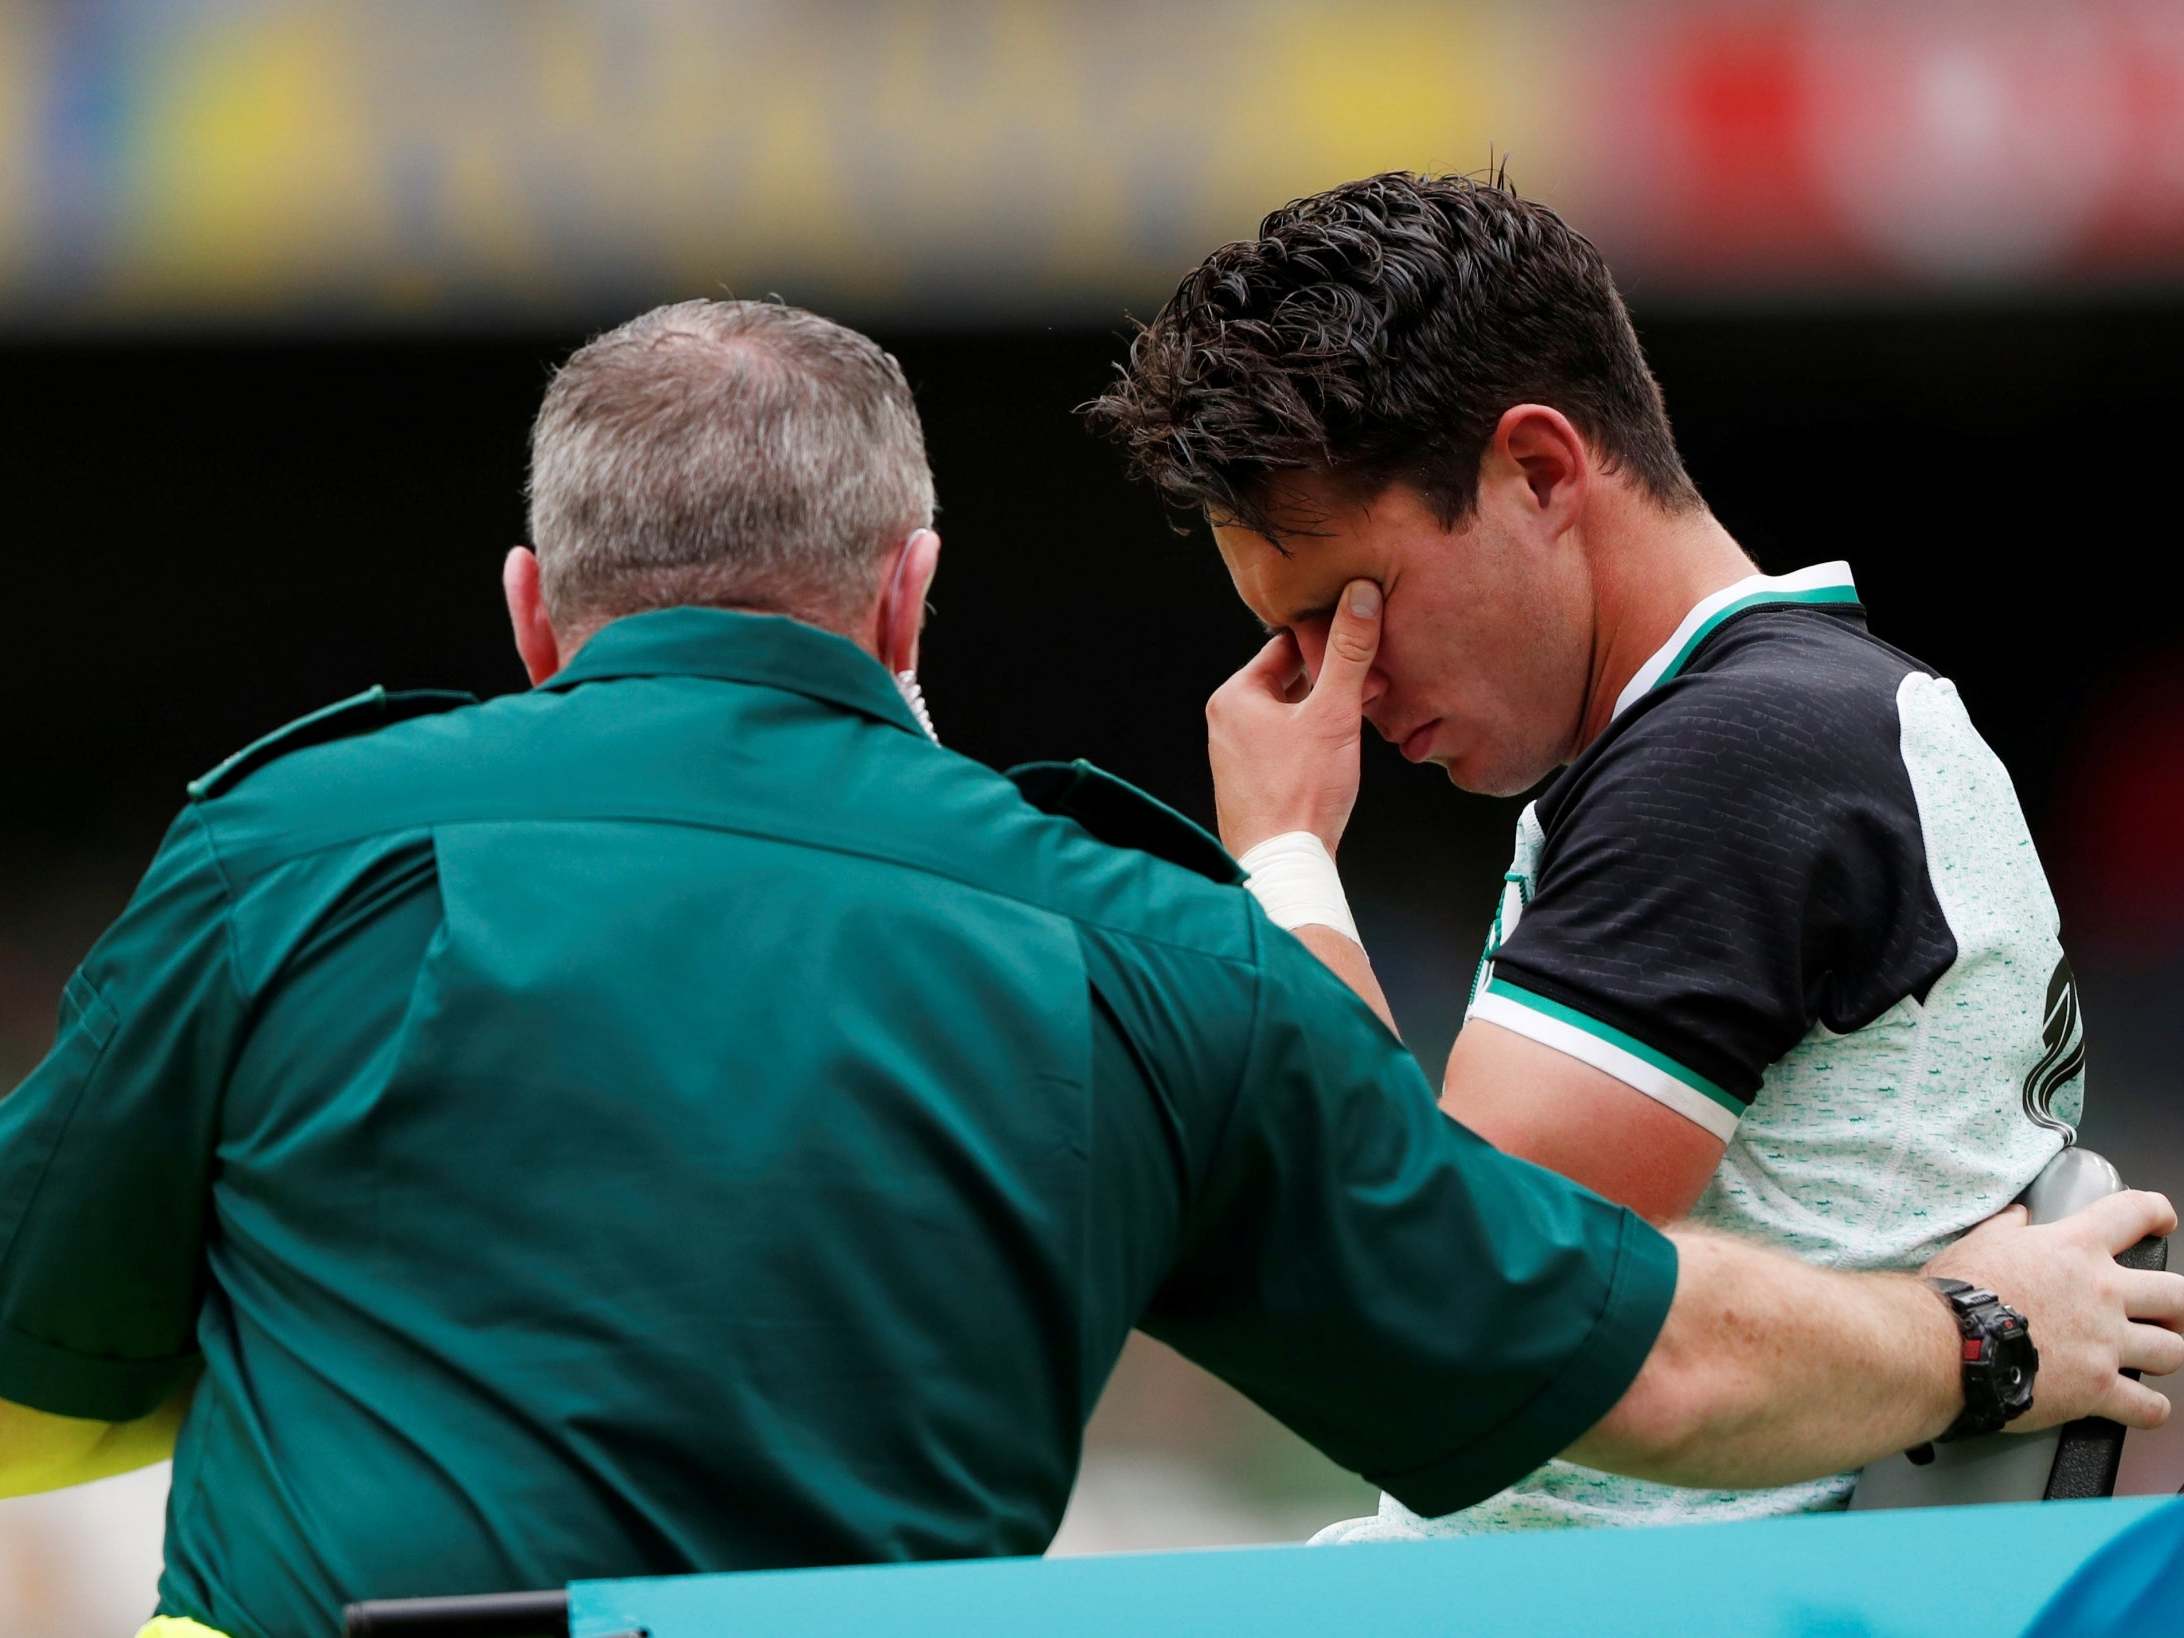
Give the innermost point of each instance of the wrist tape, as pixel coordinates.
(1294, 880)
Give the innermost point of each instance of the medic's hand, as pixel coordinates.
(1284, 747)
(2090, 1317)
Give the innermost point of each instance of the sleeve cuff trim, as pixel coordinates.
(61, 1382)
(1596, 1376)
(1608, 1049)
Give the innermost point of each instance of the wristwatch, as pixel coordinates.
(2000, 1362)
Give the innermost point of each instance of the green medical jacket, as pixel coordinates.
(680, 1118)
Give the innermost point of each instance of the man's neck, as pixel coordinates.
(1657, 570)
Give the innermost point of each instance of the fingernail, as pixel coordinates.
(1364, 599)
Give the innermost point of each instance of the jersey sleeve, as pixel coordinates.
(1428, 1311)
(105, 1154)
(1742, 863)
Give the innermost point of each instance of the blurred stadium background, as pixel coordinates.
(280, 284)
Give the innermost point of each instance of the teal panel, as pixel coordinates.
(1888, 1575)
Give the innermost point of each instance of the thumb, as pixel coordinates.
(2011, 1216)
(2120, 1221)
(1353, 638)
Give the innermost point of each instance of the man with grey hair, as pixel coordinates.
(781, 458)
(681, 1118)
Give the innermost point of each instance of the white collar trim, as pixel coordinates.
(1822, 583)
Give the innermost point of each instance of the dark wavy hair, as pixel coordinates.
(1375, 333)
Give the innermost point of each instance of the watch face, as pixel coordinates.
(2016, 1363)
(2000, 1362)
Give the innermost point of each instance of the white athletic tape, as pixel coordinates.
(1295, 882)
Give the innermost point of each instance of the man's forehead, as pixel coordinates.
(1298, 576)
(1309, 504)
(1271, 582)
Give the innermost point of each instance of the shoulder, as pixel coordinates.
(1186, 961)
(1780, 677)
(1116, 812)
(344, 773)
(1784, 709)
(1180, 873)
(1813, 655)
(1172, 953)
(360, 714)
(1104, 853)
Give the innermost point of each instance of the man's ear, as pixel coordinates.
(1539, 448)
(536, 643)
(902, 600)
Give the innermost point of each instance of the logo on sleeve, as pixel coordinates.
(2062, 1031)
(1508, 911)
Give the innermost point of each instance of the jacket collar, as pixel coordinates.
(766, 650)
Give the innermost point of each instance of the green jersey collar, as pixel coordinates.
(1823, 583)
(769, 650)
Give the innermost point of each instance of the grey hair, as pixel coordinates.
(727, 453)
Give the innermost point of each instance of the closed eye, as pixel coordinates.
(1301, 618)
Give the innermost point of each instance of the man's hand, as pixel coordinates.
(2090, 1317)
(1285, 749)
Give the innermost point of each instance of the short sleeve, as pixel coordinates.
(1742, 862)
(1428, 1311)
(105, 1153)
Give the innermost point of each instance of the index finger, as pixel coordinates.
(1353, 638)
(2120, 1221)
(2133, 1404)
(2154, 1298)
(1278, 664)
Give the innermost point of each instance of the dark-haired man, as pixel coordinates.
(1775, 953)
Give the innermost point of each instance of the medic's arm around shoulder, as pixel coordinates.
(105, 1160)
(1431, 1313)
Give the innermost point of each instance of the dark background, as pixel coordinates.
(215, 537)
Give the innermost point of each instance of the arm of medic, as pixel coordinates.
(1283, 736)
(1769, 1371)
(104, 1154)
